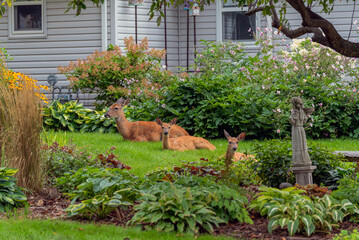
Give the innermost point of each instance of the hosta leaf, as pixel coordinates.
(156, 217)
(272, 225)
(292, 226)
(308, 222)
(282, 222)
(180, 226)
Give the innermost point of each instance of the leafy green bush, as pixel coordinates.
(74, 117)
(63, 159)
(100, 191)
(274, 159)
(240, 173)
(85, 183)
(232, 91)
(189, 204)
(11, 196)
(345, 235)
(114, 74)
(349, 189)
(288, 208)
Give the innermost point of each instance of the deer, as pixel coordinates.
(182, 143)
(232, 147)
(140, 131)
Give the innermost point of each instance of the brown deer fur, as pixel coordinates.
(181, 143)
(232, 147)
(139, 131)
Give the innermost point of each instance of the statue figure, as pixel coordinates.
(298, 117)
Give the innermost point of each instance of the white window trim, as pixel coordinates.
(27, 34)
(220, 10)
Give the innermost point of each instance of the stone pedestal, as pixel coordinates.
(303, 174)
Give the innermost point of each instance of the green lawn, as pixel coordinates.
(146, 156)
(20, 229)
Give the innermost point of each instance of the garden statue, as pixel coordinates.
(302, 165)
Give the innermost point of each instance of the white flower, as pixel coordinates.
(293, 46)
(303, 52)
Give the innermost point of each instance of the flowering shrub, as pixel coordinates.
(113, 74)
(234, 91)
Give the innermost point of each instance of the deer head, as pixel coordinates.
(115, 109)
(166, 127)
(233, 142)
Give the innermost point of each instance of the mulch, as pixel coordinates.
(49, 204)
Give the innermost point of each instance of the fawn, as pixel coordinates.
(232, 147)
(140, 131)
(181, 143)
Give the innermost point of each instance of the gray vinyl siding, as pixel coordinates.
(69, 37)
(145, 28)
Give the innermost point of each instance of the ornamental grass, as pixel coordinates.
(21, 123)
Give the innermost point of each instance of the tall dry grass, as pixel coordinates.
(21, 125)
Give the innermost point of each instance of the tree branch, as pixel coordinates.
(323, 31)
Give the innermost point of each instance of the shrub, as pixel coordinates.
(240, 173)
(100, 191)
(86, 182)
(63, 159)
(312, 190)
(349, 189)
(275, 159)
(21, 123)
(113, 74)
(189, 204)
(345, 235)
(253, 93)
(74, 117)
(11, 195)
(289, 209)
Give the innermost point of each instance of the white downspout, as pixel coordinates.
(104, 25)
(114, 23)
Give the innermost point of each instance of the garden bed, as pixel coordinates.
(51, 206)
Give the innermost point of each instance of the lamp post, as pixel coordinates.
(186, 8)
(135, 3)
(194, 12)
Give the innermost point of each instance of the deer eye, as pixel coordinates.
(230, 142)
(116, 108)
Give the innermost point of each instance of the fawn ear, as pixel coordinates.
(173, 121)
(241, 136)
(158, 121)
(125, 103)
(119, 101)
(226, 134)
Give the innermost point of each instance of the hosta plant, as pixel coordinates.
(175, 209)
(11, 196)
(289, 209)
(101, 191)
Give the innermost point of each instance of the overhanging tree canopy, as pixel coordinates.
(324, 32)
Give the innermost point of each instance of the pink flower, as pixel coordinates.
(320, 104)
(304, 80)
(278, 130)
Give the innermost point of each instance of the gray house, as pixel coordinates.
(40, 36)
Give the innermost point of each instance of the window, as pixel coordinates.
(233, 24)
(26, 19)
